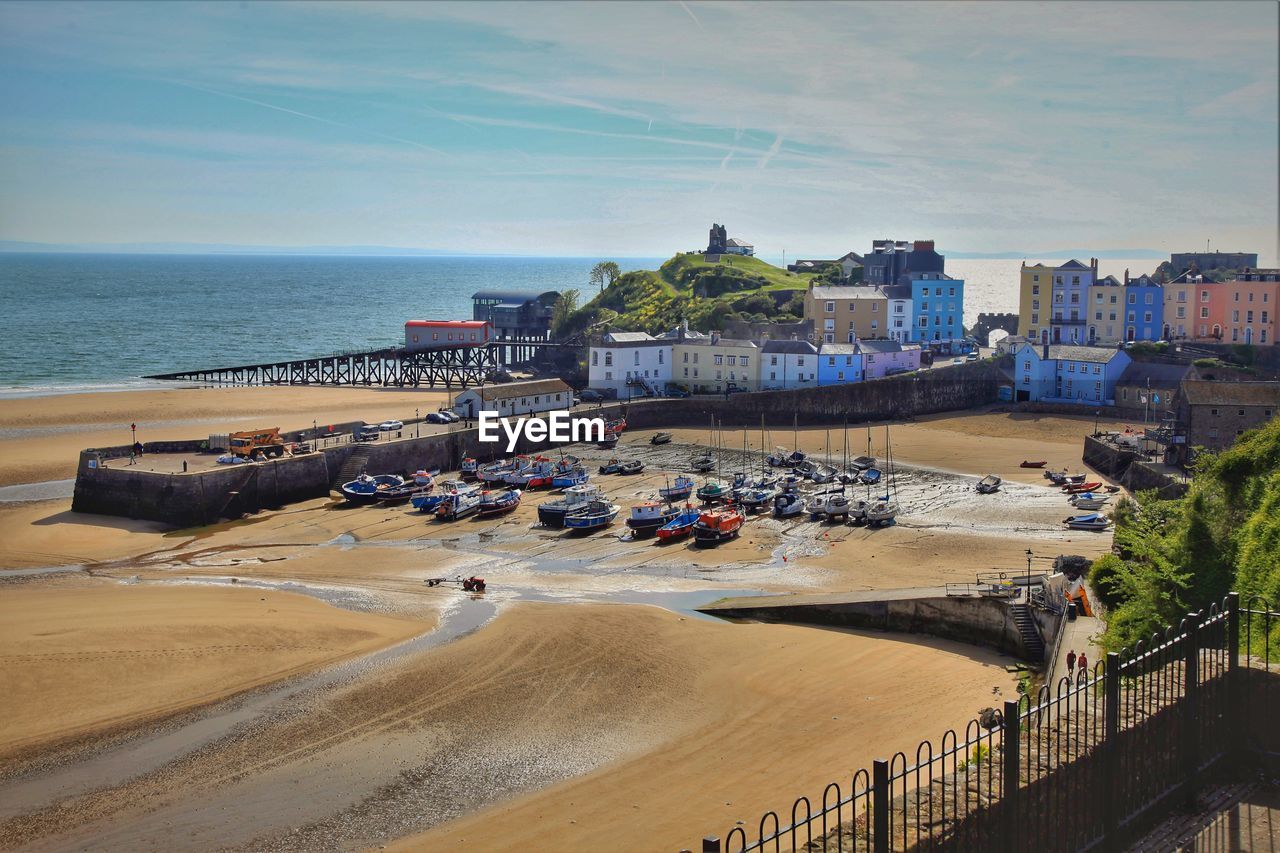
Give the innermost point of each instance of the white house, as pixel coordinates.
(514, 398)
(788, 364)
(898, 325)
(633, 362)
(734, 246)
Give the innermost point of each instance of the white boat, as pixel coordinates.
(459, 504)
(988, 484)
(838, 507)
(788, 504)
(820, 503)
(823, 473)
(1092, 521)
(857, 512)
(881, 512)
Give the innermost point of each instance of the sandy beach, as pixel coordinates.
(202, 671)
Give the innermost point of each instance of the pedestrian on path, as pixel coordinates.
(1084, 664)
(1071, 661)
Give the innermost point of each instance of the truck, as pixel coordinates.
(265, 441)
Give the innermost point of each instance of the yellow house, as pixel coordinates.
(1104, 320)
(1179, 310)
(712, 365)
(844, 313)
(1035, 293)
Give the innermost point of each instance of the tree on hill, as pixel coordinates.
(566, 303)
(604, 274)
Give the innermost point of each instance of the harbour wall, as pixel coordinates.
(968, 619)
(1129, 469)
(205, 496)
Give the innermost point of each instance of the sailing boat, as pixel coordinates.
(714, 489)
(761, 491)
(885, 509)
(797, 455)
(824, 472)
(703, 462)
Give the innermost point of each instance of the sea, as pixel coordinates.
(97, 322)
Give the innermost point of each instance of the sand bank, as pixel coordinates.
(93, 659)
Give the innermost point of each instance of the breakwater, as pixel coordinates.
(205, 496)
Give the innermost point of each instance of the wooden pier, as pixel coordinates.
(460, 367)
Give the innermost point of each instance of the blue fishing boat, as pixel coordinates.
(680, 491)
(569, 478)
(431, 502)
(364, 489)
(598, 514)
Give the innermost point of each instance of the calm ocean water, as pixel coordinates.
(80, 322)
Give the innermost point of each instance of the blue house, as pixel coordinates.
(1143, 309)
(937, 311)
(1067, 373)
(839, 364)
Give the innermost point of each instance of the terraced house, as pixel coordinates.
(1105, 313)
(1067, 373)
(845, 313)
(713, 364)
(1070, 292)
(1034, 294)
(937, 310)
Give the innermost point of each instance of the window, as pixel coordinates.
(1026, 365)
(660, 361)
(953, 292)
(831, 307)
(1264, 316)
(1133, 299)
(924, 322)
(1097, 369)
(733, 359)
(1097, 315)
(1035, 304)
(608, 374)
(772, 375)
(1204, 313)
(1075, 298)
(1071, 367)
(1251, 296)
(718, 376)
(608, 359)
(1148, 299)
(1130, 316)
(1235, 316)
(595, 358)
(800, 361)
(636, 360)
(1204, 296)
(1035, 289)
(937, 291)
(719, 359)
(773, 360)
(1248, 316)
(874, 325)
(1182, 312)
(695, 361)
(686, 358)
(840, 376)
(875, 306)
(1075, 279)
(1236, 296)
(743, 360)
(924, 306)
(1213, 412)
(686, 371)
(1035, 319)
(1240, 413)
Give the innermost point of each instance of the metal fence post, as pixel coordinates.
(880, 795)
(1110, 746)
(711, 844)
(1191, 710)
(1236, 718)
(1009, 774)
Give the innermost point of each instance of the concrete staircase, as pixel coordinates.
(1027, 628)
(354, 466)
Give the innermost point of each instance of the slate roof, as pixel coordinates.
(1160, 374)
(1073, 264)
(838, 349)
(521, 389)
(722, 342)
(790, 347)
(628, 337)
(896, 291)
(880, 346)
(847, 291)
(1096, 355)
(1204, 392)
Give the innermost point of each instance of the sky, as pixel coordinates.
(626, 129)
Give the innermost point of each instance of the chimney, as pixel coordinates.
(1126, 275)
(924, 245)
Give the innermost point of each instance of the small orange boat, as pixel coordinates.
(1072, 488)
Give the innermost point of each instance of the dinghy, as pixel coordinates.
(611, 467)
(862, 463)
(988, 484)
(823, 473)
(422, 483)
(634, 466)
(702, 464)
(609, 441)
(660, 438)
(1093, 521)
(869, 477)
(1026, 464)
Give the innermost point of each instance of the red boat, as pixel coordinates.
(717, 525)
(680, 526)
(1072, 488)
(1040, 464)
(615, 427)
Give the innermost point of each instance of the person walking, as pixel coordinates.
(1083, 663)
(1071, 661)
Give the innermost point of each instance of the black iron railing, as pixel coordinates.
(1085, 764)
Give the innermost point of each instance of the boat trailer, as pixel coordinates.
(471, 584)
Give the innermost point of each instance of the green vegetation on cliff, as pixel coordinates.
(1174, 556)
(688, 287)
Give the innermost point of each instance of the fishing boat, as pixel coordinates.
(496, 472)
(575, 476)
(633, 466)
(1026, 464)
(988, 484)
(430, 502)
(596, 514)
(615, 427)
(1056, 477)
(538, 474)
(788, 504)
(717, 525)
(681, 525)
(679, 491)
(459, 504)
(1112, 489)
(496, 503)
(613, 466)
(1092, 521)
(467, 470)
(364, 489)
(422, 483)
(609, 441)
(552, 513)
(712, 491)
(647, 517)
(660, 438)
(869, 477)
(702, 464)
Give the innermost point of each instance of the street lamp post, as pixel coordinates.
(417, 426)
(315, 434)
(1096, 412)
(1028, 575)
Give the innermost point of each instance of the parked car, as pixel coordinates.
(367, 433)
(972, 356)
(451, 417)
(957, 361)
(391, 426)
(437, 418)
(676, 392)
(590, 396)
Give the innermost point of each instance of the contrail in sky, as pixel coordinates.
(690, 11)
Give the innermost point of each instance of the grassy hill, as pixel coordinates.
(1173, 556)
(688, 287)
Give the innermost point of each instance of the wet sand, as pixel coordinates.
(558, 695)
